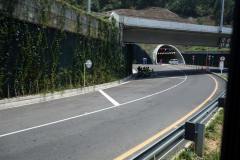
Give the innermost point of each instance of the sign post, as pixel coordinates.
(193, 57)
(221, 66)
(209, 58)
(89, 65)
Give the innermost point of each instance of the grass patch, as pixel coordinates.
(224, 76)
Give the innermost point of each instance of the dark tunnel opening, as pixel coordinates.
(166, 53)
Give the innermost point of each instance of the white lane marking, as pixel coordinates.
(85, 114)
(170, 77)
(109, 98)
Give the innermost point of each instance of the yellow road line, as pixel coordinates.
(128, 153)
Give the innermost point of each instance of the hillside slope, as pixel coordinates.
(162, 14)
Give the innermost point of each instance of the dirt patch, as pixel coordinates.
(212, 145)
(158, 13)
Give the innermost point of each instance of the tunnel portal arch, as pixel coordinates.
(167, 52)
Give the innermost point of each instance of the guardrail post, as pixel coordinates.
(199, 143)
(195, 132)
(221, 102)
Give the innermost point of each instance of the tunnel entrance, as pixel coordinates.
(167, 52)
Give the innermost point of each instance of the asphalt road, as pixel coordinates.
(91, 127)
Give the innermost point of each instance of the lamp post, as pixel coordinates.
(89, 65)
(89, 6)
(221, 23)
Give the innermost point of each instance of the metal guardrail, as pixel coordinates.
(177, 134)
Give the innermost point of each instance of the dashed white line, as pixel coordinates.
(109, 98)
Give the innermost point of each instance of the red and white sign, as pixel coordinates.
(222, 44)
(209, 58)
(223, 40)
(228, 40)
(227, 45)
(222, 58)
(193, 56)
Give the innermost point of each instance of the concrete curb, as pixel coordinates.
(21, 101)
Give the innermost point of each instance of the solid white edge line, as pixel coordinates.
(47, 124)
(109, 98)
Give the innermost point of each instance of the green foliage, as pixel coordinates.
(211, 130)
(191, 8)
(228, 11)
(186, 155)
(40, 59)
(214, 155)
(200, 20)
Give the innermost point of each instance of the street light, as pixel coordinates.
(89, 6)
(89, 65)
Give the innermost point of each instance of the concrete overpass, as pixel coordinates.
(138, 30)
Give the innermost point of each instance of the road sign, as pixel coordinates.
(209, 58)
(225, 42)
(228, 40)
(222, 58)
(89, 63)
(193, 56)
(222, 45)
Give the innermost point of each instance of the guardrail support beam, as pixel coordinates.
(199, 143)
(195, 132)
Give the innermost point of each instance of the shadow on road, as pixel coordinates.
(178, 73)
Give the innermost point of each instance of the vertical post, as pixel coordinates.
(212, 60)
(221, 23)
(84, 75)
(199, 143)
(207, 56)
(89, 6)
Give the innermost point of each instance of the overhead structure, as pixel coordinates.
(140, 30)
(167, 52)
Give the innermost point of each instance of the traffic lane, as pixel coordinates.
(104, 135)
(23, 117)
(141, 88)
(19, 118)
(177, 108)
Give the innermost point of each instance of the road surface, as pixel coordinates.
(109, 124)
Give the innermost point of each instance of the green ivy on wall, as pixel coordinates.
(35, 58)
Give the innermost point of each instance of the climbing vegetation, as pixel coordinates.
(37, 58)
